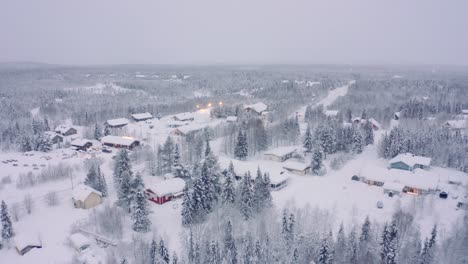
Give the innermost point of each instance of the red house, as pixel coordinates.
(166, 190)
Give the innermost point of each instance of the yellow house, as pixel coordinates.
(86, 197)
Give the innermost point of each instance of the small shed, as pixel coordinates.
(279, 181)
(79, 242)
(142, 116)
(55, 138)
(166, 190)
(187, 116)
(257, 108)
(65, 130)
(117, 123)
(297, 168)
(280, 154)
(25, 242)
(393, 188)
(120, 142)
(81, 144)
(86, 197)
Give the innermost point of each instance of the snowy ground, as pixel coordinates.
(348, 200)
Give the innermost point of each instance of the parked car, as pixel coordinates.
(380, 204)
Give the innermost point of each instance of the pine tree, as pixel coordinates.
(101, 183)
(153, 252)
(241, 149)
(352, 252)
(365, 254)
(175, 259)
(177, 168)
(187, 208)
(7, 227)
(389, 244)
(324, 252)
(124, 193)
(349, 116)
(427, 253)
(92, 178)
(214, 254)
(295, 259)
(199, 200)
(340, 247)
(230, 250)
(364, 114)
(107, 130)
(246, 199)
(248, 250)
(308, 140)
(368, 133)
(140, 210)
(258, 253)
(97, 132)
(228, 195)
(267, 198)
(167, 155)
(357, 141)
(258, 192)
(163, 252)
(317, 163)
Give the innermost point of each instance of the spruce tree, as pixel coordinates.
(167, 155)
(153, 252)
(308, 140)
(341, 247)
(352, 251)
(317, 163)
(324, 252)
(97, 132)
(246, 198)
(258, 192)
(140, 210)
(7, 227)
(163, 252)
(368, 133)
(92, 179)
(228, 195)
(124, 192)
(199, 200)
(241, 149)
(267, 199)
(107, 130)
(230, 250)
(177, 168)
(364, 242)
(214, 254)
(357, 140)
(187, 208)
(101, 183)
(389, 244)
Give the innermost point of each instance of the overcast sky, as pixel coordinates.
(234, 31)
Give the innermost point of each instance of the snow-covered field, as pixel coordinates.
(349, 201)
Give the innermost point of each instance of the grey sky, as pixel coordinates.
(236, 31)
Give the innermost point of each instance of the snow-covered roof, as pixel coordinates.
(456, 124)
(331, 112)
(184, 116)
(393, 186)
(117, 122)
(169, 186)
(279, 178)
(116, 140)
(51, 134)
(464, 111)
(257, 107)
(411, 159)
(62, 129)
(281, 151)
(25, 239)
(418, 178)
(231, 118)
(81, 192)
(189, 128)
(78, 240)
(142, 116)
(294, 165)
(80, 142)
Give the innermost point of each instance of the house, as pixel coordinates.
(257, 108)
(374, 179)
(175, 124)
(409, 162)
(24, 242)
(55, 138)
(79, 242)
(280, 154)
(120, 142)
(231, 119)
(117, 123)
(279, 181)
(142, 116)
(393, 188)
(187, 116)
(456, 124)
(166, 190)
(464, 112)
(81, 144)
(297, 168)
(86, 197)
(65, 130)
(185, 130)
(375, 125)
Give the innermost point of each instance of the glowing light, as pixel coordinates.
(209, 104)
(127, 137)
(198, 106)
(220, 103)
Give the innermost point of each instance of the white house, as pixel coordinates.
(280, 154)
(65, 130)
(86, 197)
(279, 181)
(187, 116)
(117, 123)
(257, 108)
(142, 116)
(297, 168)
(81, 144)
(79, 242)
